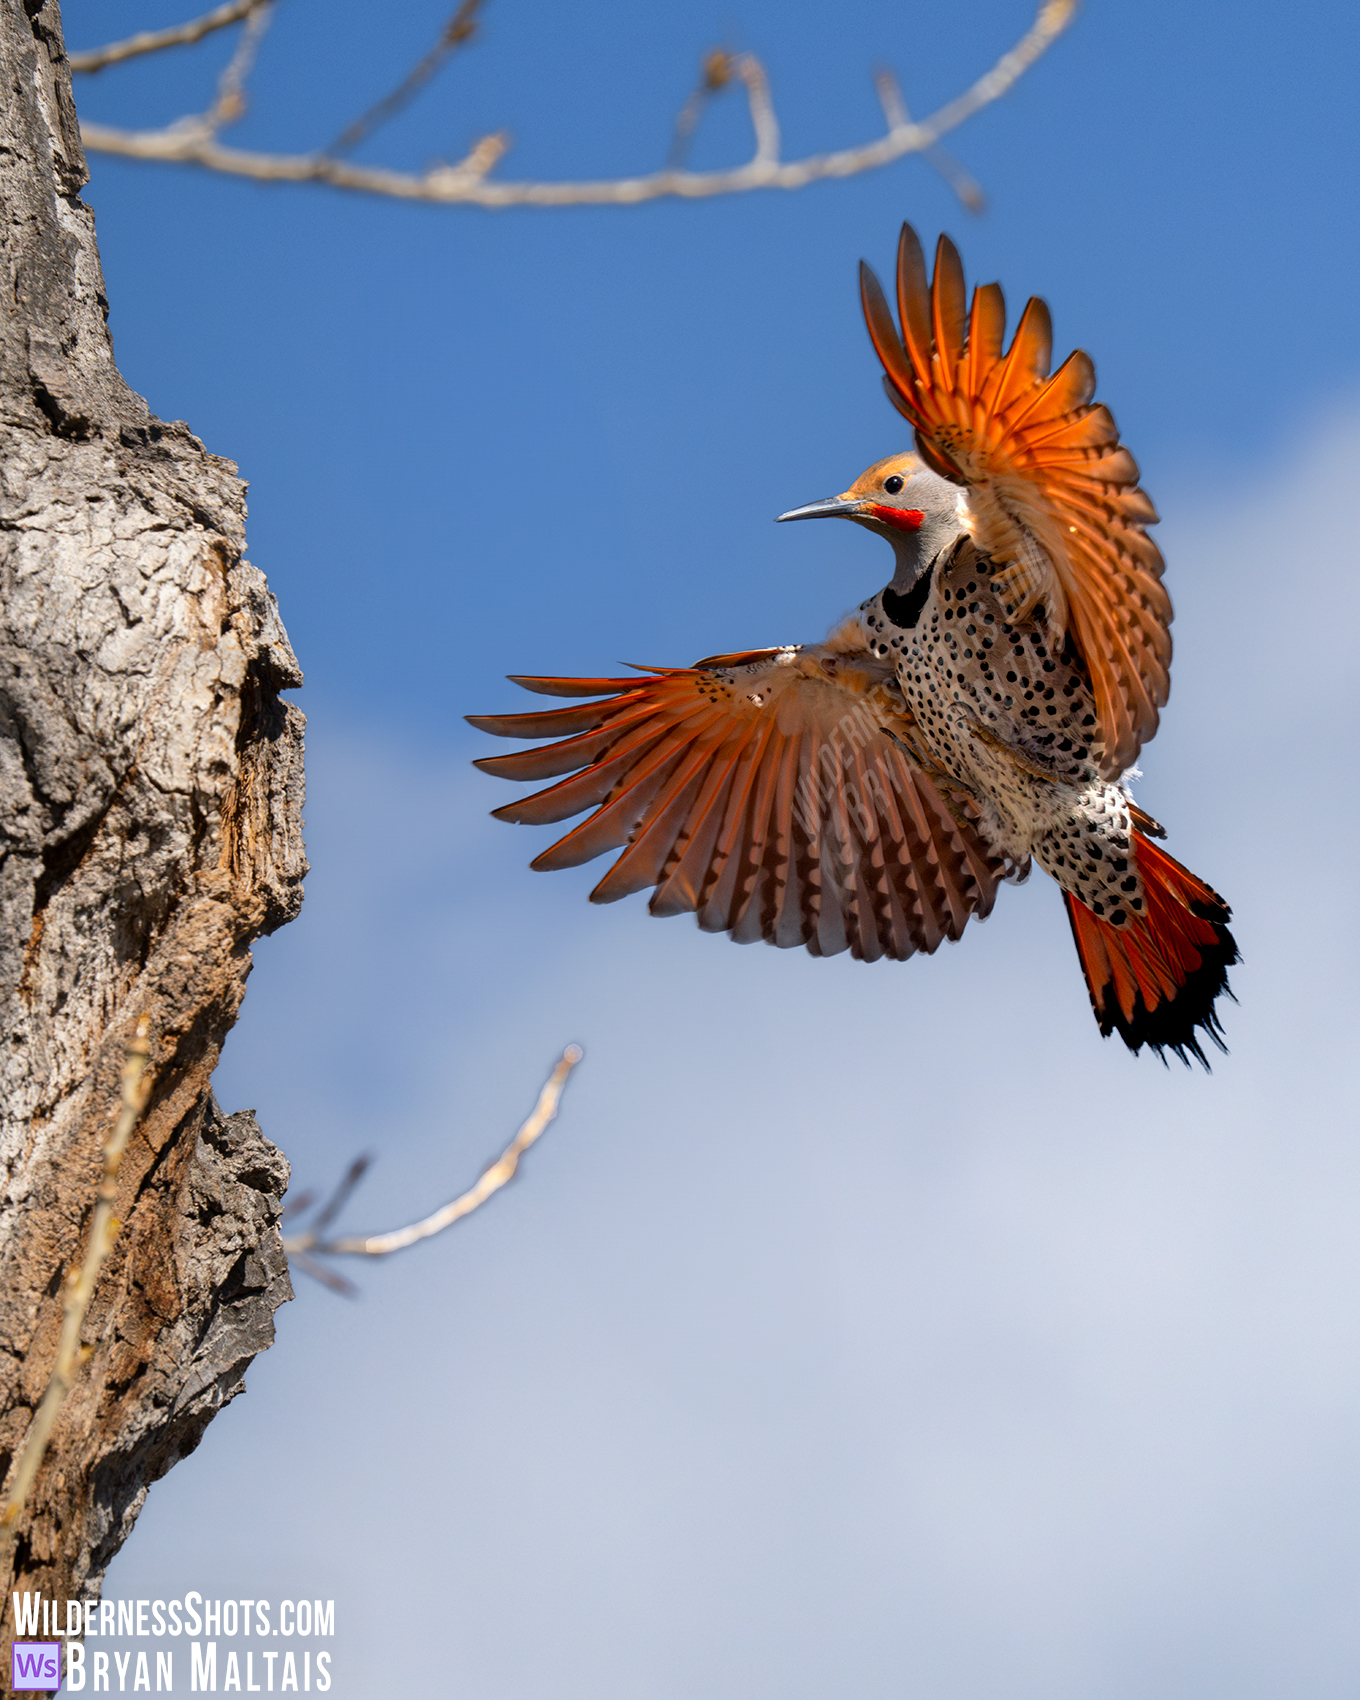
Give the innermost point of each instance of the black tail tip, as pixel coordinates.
(1179, 1024)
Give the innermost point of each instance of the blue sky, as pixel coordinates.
(872, 1330)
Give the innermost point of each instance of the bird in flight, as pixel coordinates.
(982, 711)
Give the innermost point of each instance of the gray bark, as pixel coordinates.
(150, 830)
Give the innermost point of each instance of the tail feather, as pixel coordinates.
(1156, 979)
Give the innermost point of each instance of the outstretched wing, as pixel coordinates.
(1051, 494)
(774, 793)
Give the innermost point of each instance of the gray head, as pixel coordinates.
(902, 500)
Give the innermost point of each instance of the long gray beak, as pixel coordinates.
(834, 507)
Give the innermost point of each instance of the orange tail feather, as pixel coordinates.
(1155, 980)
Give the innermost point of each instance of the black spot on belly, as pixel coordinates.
(906, 610)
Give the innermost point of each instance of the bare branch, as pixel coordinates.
(715, 73)
(327, 1277)
(958, 177)
(340, 1197)
(891, 100)
(461, 28)
(79, 1287)
(720, 69)
(307, 1247)
(466, 183)
(152, 41)
(474, 166)
(763, 120)
(230, 103)
(964, 185)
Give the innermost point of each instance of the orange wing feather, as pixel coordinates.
(773, 793)
(1052, 497)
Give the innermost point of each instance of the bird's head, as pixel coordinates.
(901, 499)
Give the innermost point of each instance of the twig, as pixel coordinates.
(152, 41)
(763, 120)
(79, 1287)
(340, 1197)
(309, 1246)
(466, 183)
(461, 28)
(964, 185)
(327, 1277)
(230, 102)
(715, 74)
(721, 68)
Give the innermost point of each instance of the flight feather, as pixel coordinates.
(1052, 496)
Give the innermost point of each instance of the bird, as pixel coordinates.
(980, 713)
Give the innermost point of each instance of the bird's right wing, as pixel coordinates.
(777, 794)
(1053, 498)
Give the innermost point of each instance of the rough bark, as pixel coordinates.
(150, 830)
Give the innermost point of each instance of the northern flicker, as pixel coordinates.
(983, 710)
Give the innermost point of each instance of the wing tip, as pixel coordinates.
(542, 685)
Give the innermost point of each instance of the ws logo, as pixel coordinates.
(36, 1664)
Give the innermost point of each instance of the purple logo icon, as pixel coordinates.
(36, 1664)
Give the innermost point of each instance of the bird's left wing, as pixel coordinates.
(775, 793)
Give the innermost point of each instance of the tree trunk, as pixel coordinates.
(150, 830)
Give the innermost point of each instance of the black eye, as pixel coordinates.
(893, 485)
